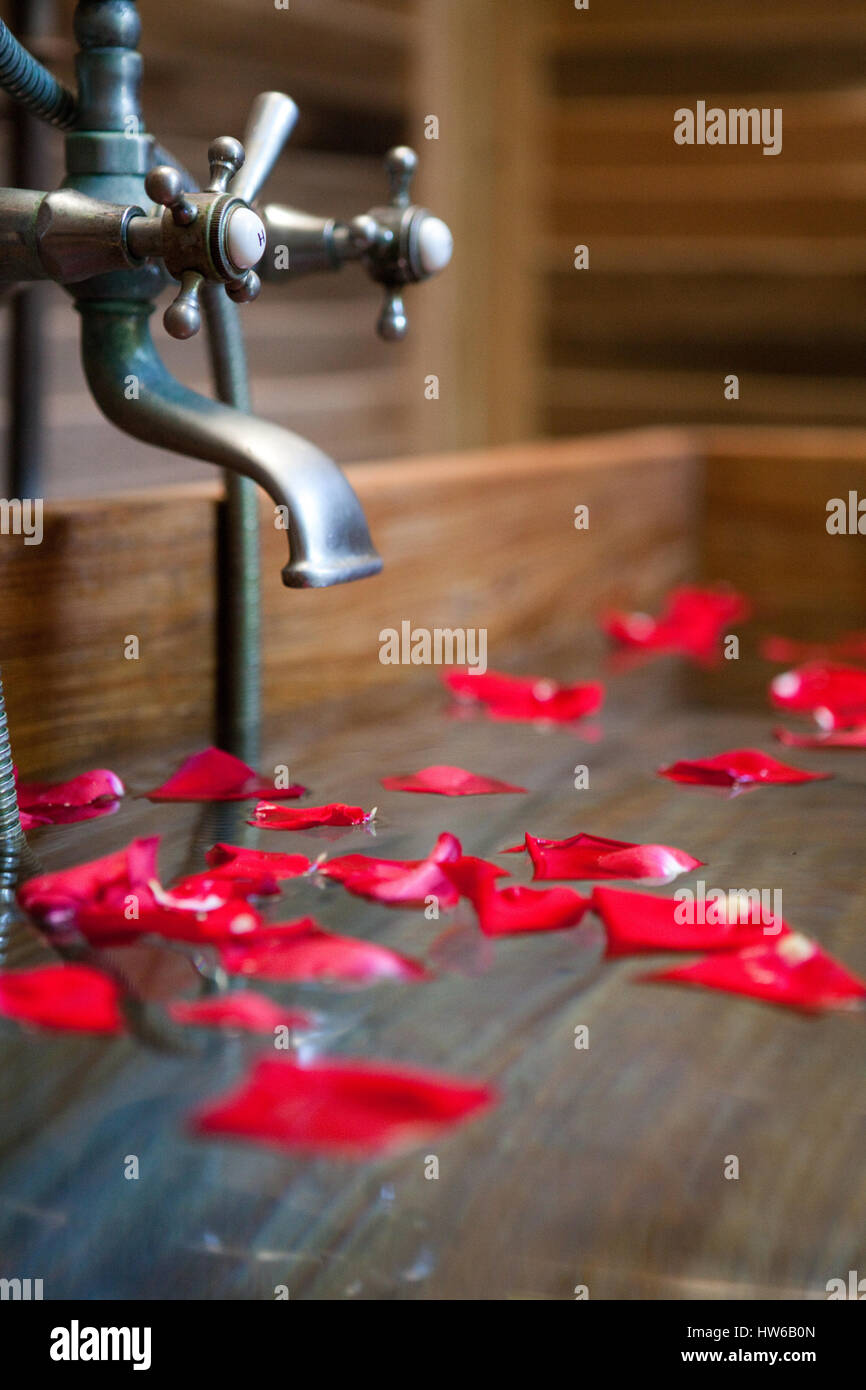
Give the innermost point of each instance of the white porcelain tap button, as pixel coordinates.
(245, 238)
(435, 244)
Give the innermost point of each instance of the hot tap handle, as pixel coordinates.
(225, 157)
(212, 236)
(271, 121)
(182, 318)
(164, 185)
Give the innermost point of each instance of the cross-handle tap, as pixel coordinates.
(399, 243)
(214, 235)
(125, 221)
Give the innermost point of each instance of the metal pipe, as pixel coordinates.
(329, 542)
(19, 247)
(239, 622)
(238, 690)
(32, 85)
(26, 439)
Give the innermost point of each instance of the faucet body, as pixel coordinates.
(126, 223)
(328, 538)
(81, 236)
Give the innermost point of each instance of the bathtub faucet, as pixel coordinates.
(127, 221)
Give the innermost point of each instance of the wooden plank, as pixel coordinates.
(105, 571)
(773, 486)
(763, 181)
(781, 480)
(647, 254)
(659, 201)
(602, 1167)
(453, 82)
(824, 128)
(773, 325)
(513, 325)
(111, 568)
(610, 29)
(644, 394)
(819, 127)
(476, 327)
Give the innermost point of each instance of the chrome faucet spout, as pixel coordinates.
(329, 542)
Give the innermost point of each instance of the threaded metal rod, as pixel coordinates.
(32, 85)
(13, 846)
(21, 946)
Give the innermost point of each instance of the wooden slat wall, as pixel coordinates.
(317, 364)
(556, 128)
(766, 496)
(704, 261)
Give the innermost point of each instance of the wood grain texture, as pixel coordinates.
(139, 566)
(443, 526)
(602, 1167)
(765, 517)
(709, 246)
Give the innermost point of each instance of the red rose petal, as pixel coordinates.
(236, 871)
(526, 698)
(516, 908)
(594, 857)
(248, 1012)
(399, 882)
(56, 897)
(737, 768)
(502, 911)
(636, 922)
(118, 898)
(72, 998)
(352, 1109)
(271, 817)
(207, 890)
(792, 971)
(100, 785)
(84, 797)
(840, 738)
(304, 951)
(692, 622)
(236, 861)
(214, 775)
(471, 875)
(106, 924)
(834, 695)
(444, 780)
(67, 815)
